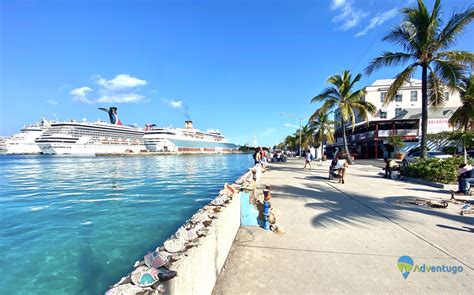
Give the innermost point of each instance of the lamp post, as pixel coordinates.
(298, 118)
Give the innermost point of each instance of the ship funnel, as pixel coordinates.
(114, 119)
(188, 124)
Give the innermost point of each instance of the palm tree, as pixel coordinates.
(424, 43)
(307, 136)
(463, 117)
(323, 126)
(349, 103)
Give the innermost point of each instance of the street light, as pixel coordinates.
(298, 118)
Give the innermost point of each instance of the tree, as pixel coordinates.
(307, 136)
(323, 128)
(425, 42)
(348, 102)
(463, 117)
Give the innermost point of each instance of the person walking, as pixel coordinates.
(307, 160)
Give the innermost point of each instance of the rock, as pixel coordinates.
(174, 245)
(126, 289)
(138, 263)
(123, 280)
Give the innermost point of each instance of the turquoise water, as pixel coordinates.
(75, 225)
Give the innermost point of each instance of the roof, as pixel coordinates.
(388, 82)
(415, 113)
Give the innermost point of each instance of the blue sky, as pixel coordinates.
(231, 65)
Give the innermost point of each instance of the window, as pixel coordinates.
(398, 111)
(382, 96)
(446, 96)
(398, 97)
(383, 115)
(414, 96)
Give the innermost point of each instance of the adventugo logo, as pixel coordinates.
(405, 265)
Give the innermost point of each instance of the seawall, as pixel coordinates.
(199, 263)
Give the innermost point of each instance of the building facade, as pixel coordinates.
(400, 117)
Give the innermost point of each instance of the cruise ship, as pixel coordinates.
(24, 141)
(91, 138)
(186, 139)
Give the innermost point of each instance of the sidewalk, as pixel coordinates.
(348, 238)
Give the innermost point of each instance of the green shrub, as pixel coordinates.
(434, 169)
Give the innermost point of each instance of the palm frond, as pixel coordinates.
(454, 27)
(329, 92)
(400, 79)
(462, 57)
(404, 36)
(435, 91)
(324, 109)
(388, 59)
(451, 73)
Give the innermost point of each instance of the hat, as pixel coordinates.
(144, 276)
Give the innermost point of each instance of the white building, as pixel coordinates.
(401, 117)
(408, 97)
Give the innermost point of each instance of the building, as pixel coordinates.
(400, 117)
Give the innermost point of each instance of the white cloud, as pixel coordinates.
(291, 125)
(348, 16)
(52, 102)
(121, 89)
(176, 104)
(120, 82)
(80, 94)
(121, 98)
(378, 20)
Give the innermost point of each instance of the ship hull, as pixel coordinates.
(88, 149)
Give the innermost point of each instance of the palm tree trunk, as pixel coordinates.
(344, 139)
(424, 110)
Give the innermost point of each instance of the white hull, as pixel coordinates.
(22, 148)
(87, 149)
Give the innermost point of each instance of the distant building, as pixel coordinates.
(400, 117)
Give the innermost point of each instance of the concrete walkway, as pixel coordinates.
(347, 238)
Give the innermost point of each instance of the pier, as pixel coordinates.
(348, 237)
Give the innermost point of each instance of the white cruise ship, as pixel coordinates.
(91, 138)
(24, 141)
(186, 139)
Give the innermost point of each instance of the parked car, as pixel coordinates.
(429, 154)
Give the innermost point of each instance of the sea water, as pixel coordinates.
(75, 225)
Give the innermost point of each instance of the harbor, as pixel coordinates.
(236, 147)
(83, 221)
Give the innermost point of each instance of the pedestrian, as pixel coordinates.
(465, 179)
(263, 159)
(257, 156)
(390, 167)
(341, 167)
(307, 160)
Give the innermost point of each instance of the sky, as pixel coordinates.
(231, 65)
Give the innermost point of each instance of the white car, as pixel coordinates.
(430, 154)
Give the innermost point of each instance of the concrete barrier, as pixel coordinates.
(199, 269)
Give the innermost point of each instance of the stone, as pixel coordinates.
(123, 280)
(174, 245)
(126, 289)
